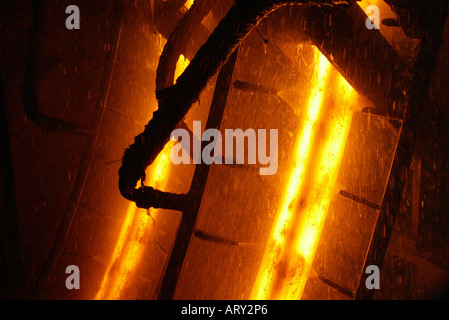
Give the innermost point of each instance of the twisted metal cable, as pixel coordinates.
(176, 100)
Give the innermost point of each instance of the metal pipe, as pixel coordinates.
(29, 93)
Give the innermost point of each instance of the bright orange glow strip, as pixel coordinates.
(325, 175)
(181, 65)
(297, 229)
(188, 4)
(133, 236)
(136, 229)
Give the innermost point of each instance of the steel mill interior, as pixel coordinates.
(361, 113)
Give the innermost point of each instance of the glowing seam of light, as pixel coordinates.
(303, 149)
(181, 65)
(327, 174)
(136, 244)
(189, 4)
(131, 241)
(317, 199)
(313, 110)
(117, 252)
(125, 257)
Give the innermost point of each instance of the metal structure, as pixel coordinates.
(395, 99)
(400, 95)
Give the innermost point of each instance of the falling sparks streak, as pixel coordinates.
(137, 227)
(291, 248)
(272, 263)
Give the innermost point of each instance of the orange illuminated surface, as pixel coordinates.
(365, 3)
(181, 65)
(188, 4)
(320, 144)
(137, 227)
